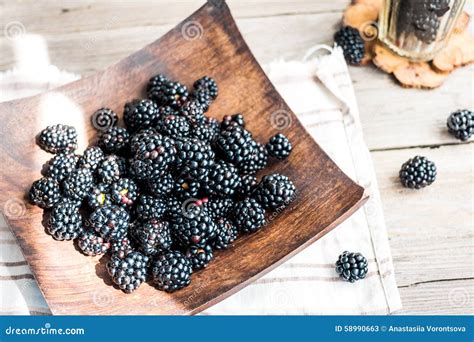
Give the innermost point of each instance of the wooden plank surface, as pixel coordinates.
(430, 231)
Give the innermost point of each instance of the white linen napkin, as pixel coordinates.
(320, 92)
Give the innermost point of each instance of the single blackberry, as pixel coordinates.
(174, 126)
(104, 118)
(275, 191)
(226, 233)
(224, 179)
(279, 146)
(207, 85)
(139, 114)
(115, 139)
(65, 222)
(218, 207)
(351, 266)
(461, 124)
(152, 236)
(235, 144)
(352, 44)
(150, 207)
(232, 120)
(109, 169)
(124, 192)
(156, 82)
(171, 271)
(139, 135)
(173, 94)
(193, 111)
(203, 132)
(58, 138)
(256, 160)
(91, 244)
(110, 221)
(121, 247)
(91, 158)
(62, 165)
(248, 215)
(199, 256)
(99, 196)
(128, 272)
(78, 184)
(154, 154)
(186, 188)
(417, 173)
(194, 227)
(160, 186)
(248, 184)
(194, 158)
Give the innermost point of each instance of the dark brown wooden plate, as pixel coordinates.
(207, 43)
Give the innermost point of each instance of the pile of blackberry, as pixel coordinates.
(160, 196)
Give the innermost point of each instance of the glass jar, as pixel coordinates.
(418, 29)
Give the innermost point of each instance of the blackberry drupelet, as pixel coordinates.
(224, 179)
(104, 118)
(351, 266)
(174, 126)
(417, 173)
(109, 169)
(110, 221)
(194, 158)
(186, 188)
(173, 94)
(232, 120)
(200, 257)
(219, 206)
(124, 192)
(128, 272)
(152, 236)
(171, 271)
(139, 114)
(161, 186)
(114, 140)
(91, 244)
(279, 146)
(65, 222)
(352, 44)
(275, 191)
(226, 233)
(150, 207)
(99, 196)
(154, 154)
(248, 215)
(248, 184)
(58, 138)
(193, 111)
(62, 165)
(461, 124)
(78, 184)
(256, 160)
(194, 227)
(207, 85)
(91, 158)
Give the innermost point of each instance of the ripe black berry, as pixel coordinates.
(417, 173)
(349, 39)
(352, 266)
(461, 124)
(171, 271)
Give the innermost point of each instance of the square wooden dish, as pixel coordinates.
(206, 43)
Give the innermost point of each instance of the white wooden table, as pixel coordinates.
(431, 231)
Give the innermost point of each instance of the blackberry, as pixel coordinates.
(124, 192)
(174, 208)
(150, 207)
(154, 154)
(172, 94)
(139, 135)
(91, 244)
(186, 188)
(139, 114)
(461, 124)
(171, 271)
(199, 256)
(62, 165)
(248, 184)
(219, 206)
(104, 118)
(232, 120)
(224, 179)
(352, 44)
(194, 158)
(279, 146)
(128, 272)
(175, 126)
(194, 227)
(115, 139)
(78, 184)
(58, 138)
(91, 158)
(351, 266)
(65, 222)
(99, 196)
(157, 82)
(417, 173)
(213, 124)
(193, 111)
(202, 98)
(207, 85)
(203, 132)
(161, 186)
(275, 191)
(152, 236)
(110, 221)
(235, 144)
(248, 215)
(121, 247)
(226, 233)
(426, 26)
(109, 169)
(256, 160)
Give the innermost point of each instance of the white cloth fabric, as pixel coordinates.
(320, 92)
